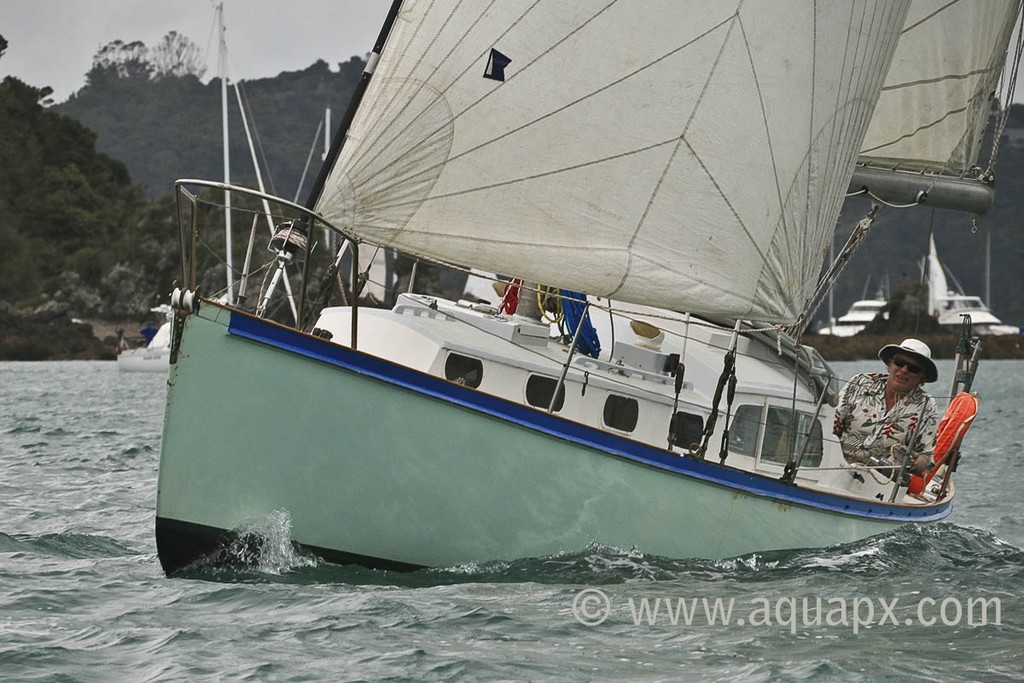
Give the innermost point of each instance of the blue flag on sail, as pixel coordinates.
(496, 64)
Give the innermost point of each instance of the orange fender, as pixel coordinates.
(954, 424)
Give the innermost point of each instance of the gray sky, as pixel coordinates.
(52, 42)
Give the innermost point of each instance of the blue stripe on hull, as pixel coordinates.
(264, 332)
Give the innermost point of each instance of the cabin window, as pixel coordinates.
(688, 429)
(540, 389)
(785, 436)
(464, 370)
(621, 412)
(744, 430)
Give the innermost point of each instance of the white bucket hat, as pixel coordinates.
(916, 348)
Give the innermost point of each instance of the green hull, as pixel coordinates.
(397, 476)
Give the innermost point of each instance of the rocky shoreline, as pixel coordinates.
(50, 333)
(943, 345)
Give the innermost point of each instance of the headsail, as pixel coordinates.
(691, 155)
(938, 289)
(936, 102)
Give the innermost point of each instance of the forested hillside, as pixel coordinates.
(86, 215)
(71, 219)
(165, 124)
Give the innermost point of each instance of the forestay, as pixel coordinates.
(687, 155)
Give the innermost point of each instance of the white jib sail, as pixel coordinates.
(937, 97)
(690, 155)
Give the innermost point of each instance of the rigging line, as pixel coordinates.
(243, 210)
(213, 30)
(256, 136)
(835, 270)
(921, 195)
(545, 116)
(309, 159)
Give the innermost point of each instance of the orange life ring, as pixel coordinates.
(954, 424)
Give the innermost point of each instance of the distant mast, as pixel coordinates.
(327, 133)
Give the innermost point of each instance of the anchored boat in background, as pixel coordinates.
(155, 354)
(658, 181)
(948, 306)
(861, 312)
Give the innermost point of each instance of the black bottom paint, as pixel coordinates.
(184, 545)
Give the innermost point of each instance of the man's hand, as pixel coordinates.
(921, 465)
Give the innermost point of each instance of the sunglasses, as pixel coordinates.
(907, 365)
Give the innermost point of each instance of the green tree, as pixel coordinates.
(62, 203)
(176, 56)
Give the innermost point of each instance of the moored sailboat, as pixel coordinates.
(685, 181)
(948, 305)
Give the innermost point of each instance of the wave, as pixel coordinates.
(262, 551)
(65, 545)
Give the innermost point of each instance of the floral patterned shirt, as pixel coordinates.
(866, 430)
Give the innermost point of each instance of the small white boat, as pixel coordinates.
(154, 356)
(948, 306)
(676, 162)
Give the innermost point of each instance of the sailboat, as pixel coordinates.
(653, 185)
(948, 306)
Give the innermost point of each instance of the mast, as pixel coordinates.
(327, 133)
(222, 69)
(353, 106)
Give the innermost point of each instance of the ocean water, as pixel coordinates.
(82, 596)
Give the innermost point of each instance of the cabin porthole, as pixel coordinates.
(464, 370)
(621, 412)
(540, 390)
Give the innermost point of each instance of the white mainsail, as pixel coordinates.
(685, 154)
(936, 101)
